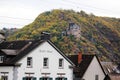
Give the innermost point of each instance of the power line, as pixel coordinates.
(83, 5)
(12, 24)
(67, 2)
(16, 18)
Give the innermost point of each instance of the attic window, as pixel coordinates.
(29, 61)
(60, 63)
(45, 62)
(1, 59)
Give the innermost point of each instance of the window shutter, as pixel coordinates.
(41, 79)
(65, 78)
(50, 79)
(24, 78)
(34, 78)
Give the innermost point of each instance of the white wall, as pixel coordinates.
(7, 69)
(44, 50)
(94, 69)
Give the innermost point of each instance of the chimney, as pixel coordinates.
(79, 57)
(45, 36)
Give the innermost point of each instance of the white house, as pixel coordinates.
(33, 60)
(88, 67)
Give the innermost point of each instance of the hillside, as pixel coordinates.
(8, 31)
(76, 31)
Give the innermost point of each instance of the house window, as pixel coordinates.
(4, 77)
(1, 59)
(46, 78)
(45, 62)
(60, 63)
(29, 61)
(61, 78)
(29, 78)
(96, 77)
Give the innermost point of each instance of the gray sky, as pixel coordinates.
(17, 13)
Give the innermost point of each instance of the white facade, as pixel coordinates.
(55, 58)
(6, 71)
(94, 71)
(45, 50)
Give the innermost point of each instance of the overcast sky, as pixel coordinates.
(17, 13)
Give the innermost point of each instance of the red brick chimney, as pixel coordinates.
(79, 57)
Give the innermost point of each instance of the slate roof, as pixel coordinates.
(23, 47)
(9, 51)
(26, 49)
(14, 44)
(108, 67)
(112, 70)
(17, 49)
(81, 68)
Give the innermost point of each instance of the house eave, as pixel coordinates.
(8, 65)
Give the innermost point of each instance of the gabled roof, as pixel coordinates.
(15, 45)
(108, 67)
(62, 53)
(17, 48)
(26, 46)
(81, 68)
(31, 45)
